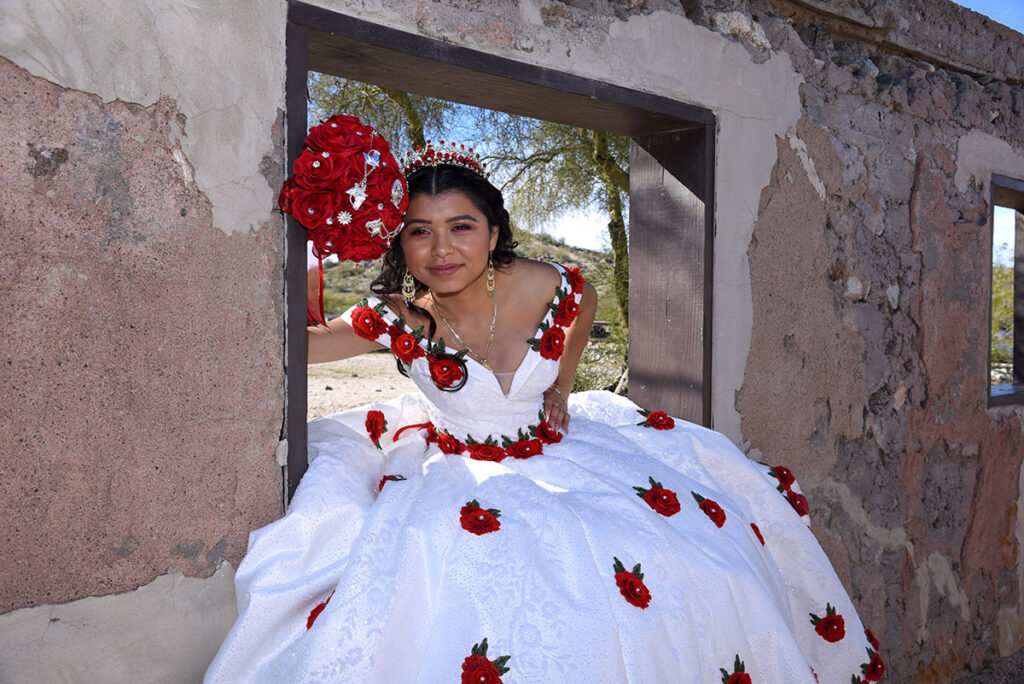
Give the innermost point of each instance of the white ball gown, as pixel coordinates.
(627, 550)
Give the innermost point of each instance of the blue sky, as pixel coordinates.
(1007, 12)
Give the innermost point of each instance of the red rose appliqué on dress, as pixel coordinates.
(799, 502)
(784, 475)
(757, 532)
(406, 347)
(566, 312)
(874, 668)
(662, 500)
(317, 609)
(389, 478)
(479, 520)
(376, 424)
(710, 508)
(631, 585)
(832, 627)
(659, 420)
(445, 372)
(738, 674)
(477, 668)
(551, 344)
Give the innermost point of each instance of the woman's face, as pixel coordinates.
(446, 241)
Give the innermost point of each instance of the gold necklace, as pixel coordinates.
(490, 335)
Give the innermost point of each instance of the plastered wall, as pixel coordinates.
(849, 335)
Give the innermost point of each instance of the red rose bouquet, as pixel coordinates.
(348, 192)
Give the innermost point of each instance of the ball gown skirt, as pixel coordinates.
(455, 537)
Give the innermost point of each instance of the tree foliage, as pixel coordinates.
(1002, 322)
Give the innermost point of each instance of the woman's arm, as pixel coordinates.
(335, 341)
(576, 337)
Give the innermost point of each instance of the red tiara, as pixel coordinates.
(455, 155)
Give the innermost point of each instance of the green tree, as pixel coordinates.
(1002, 323)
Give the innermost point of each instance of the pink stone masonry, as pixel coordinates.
(141, 362)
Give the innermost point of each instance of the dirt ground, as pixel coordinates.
(353, 382)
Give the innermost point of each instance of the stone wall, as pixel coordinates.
(143, 295)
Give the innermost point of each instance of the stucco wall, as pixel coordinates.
(141, 307)
(839, 162)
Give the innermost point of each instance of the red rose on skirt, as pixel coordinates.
(662, 500)
(784, 475)
(317, 609)
(548, 434)
(831, 628)
(445, 372)
(486, 452)
(713, 511)
(552, 342)
(874, 670)
(477, 669)
(659, 420)
(872, 640)
(368, 323)
(567, 310)
(739, 678)
(757, 531)
(633, 589)
(798, 502)
(479, 520)
(575, 279)
(525, 448)
(376, 424)
(406, 348)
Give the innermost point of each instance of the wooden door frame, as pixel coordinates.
(326, 41)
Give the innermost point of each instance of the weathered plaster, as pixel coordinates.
(166, 631)
(142, 357)
(979, 155)
(223, 67)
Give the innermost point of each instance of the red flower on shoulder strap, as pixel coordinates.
(575, 279)
(367, 322)
(832, 627)
(738, 674)
(799, 503)
(477, 668)
(631, 584)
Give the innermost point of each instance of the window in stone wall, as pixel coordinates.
(1006, 312)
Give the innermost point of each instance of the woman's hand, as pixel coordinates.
(556, 409)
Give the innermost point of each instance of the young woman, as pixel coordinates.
(489, 530)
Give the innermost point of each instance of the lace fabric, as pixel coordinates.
(543, 556)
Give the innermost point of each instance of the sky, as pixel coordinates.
(587, 229)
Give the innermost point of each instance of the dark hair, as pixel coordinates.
(433, 181)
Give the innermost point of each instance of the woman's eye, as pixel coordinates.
(419, 231)
(462, 227)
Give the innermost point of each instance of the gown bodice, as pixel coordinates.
(480, 410)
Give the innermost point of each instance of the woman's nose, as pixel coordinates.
(442, 243)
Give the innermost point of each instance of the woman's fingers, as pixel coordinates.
(556, 411)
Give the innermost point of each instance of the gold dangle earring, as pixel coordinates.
(408, 287)
(490, 275)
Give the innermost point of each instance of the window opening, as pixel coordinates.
(550, 177)
(1006, 305)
